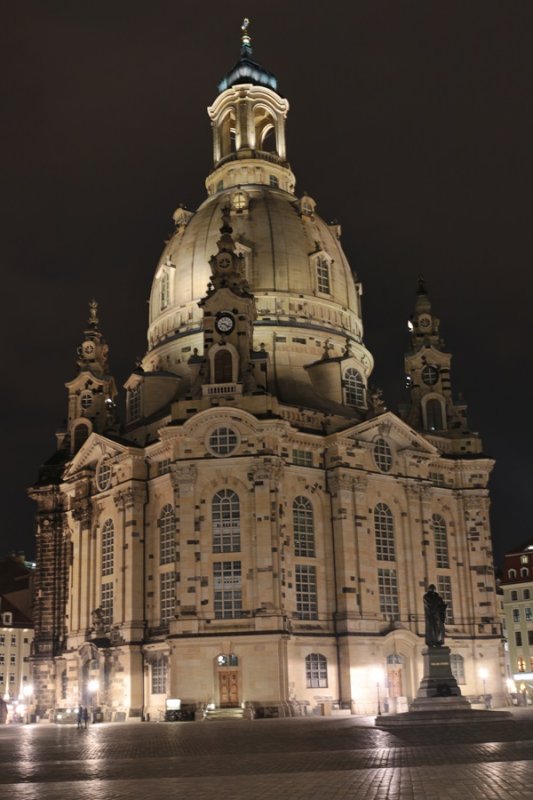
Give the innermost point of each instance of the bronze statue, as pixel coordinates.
(435, 611)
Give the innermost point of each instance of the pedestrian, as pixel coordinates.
(80, 717)
(85, 717)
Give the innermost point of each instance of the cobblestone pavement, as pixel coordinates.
(282, 759)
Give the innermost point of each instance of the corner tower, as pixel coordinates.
(432, 409)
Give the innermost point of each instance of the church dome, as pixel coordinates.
(307, 298)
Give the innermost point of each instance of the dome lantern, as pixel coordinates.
(248, 121)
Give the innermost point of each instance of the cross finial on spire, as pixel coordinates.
(421, 289)
(246, 39)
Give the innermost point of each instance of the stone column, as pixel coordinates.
(264, 589)
(128, 610)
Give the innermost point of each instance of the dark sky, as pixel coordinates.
(411, 123)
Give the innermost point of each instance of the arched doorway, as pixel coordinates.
(395, 676)
(228, 680)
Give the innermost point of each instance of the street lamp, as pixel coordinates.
(28, 692)
(484, 674)
(93, 686)
(378, 677)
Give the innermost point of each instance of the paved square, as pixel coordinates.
(267, 759)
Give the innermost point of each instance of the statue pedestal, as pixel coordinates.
(438, 688)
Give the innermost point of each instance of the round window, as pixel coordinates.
(382, 455)
(430, 375)
(223, 441)
(103, 477)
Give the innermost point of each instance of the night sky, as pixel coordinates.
(411, 123)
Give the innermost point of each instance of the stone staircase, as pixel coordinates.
(226, 713)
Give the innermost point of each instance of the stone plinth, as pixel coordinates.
(438, 688)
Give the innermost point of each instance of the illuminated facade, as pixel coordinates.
(517, 585)
(261, 531)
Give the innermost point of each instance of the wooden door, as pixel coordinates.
(228, 685)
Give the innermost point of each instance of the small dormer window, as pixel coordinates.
(164, 293)
(511, 573)
(134, 403)
(274, 182)
(354, 388)
(239, 201)
(322, 276)
(7, 618)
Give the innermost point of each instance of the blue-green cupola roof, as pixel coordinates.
(246, 70)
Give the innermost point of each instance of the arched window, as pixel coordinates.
(164, 293)
(441, 542)
(457, 663)
(354, 388)
(223, 367)
(159, 676)
(108, 547)
(304, 529)
(134, 403)
(322, 276)
(81, 433)
(514, 596)
(434, 418)
(226, 520)
(526, 594)
(524, 572)
(384, 527)
(167, 535)
(511, 573)
(316, 671)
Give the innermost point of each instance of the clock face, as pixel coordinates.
(224, 262)
(430, 375)
(424, 322)
(225, 323)
(88, 348)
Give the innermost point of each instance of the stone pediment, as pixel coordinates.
(94, 449)
(391, 427)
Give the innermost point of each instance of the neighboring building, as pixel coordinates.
(517, 585)
(262, 530)
(16, 635)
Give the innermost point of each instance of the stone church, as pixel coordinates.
(260, 531)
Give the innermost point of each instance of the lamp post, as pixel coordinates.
(378, 677)
(484, 674)
(28, 692)
(93, 687)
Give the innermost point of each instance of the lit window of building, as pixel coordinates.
(108, 547)
(226, 520)
(441, 542)
(388, 593)
(167, 596)
(384, 528)
(159, 676)
(167, 535)
(303, 527)
(306, 594)
(227, 577)
(316, 671)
